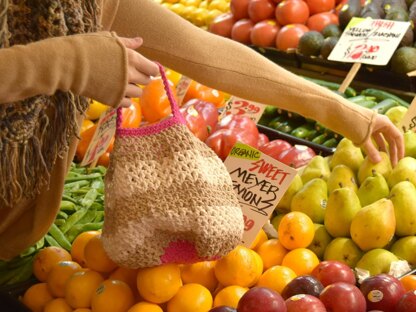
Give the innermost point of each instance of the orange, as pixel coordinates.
(409, 282)
(36, 297)
(59, 275)
(296, 230)
(128, 276)
(46, 258)
(57, 305)
(191, 298)
(95, 256)
(272, 253)
(229, 296)
(200, 273)
(301, 260)
(261, 237)
(78, 246)
(242, 266)
(112, 295)
(80, 287)
(159, 284)
(145, 307)
(86, 124)
(276, 278)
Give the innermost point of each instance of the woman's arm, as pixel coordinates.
(84, 64)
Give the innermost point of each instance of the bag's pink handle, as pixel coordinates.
(173, 105)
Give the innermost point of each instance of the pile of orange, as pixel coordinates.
(88, 280)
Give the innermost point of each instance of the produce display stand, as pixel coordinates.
(368, 77)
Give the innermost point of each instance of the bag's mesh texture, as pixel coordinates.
(169, 198)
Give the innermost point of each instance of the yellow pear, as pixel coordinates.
(347, 154)
(373, 226)
(368, 168)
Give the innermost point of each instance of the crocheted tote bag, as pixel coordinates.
(168, 197)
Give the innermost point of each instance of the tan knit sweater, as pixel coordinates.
(95, 66)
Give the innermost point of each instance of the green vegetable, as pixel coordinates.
(59, 236)
(383, 95)
(21, 274)
(67, 206)
(349, 92)
(52, 241)
(89, 198)
(385, 105)
(80, 228)
(73, 219)
(332, 142)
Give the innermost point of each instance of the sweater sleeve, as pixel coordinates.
(85, 64)
(232, 67)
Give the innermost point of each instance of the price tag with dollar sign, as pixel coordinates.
(238, 106)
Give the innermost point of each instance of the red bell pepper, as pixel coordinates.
(297, 156)
(263, 139)
(208, 111)
(275, 147)
(195, 122)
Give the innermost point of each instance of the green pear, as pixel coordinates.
(410, 143)
(321, 239)
(342, 206)
(396, 114)
(405, 170)
(377, 261)
(403, 197)
(373, 226)
(342, 176)
(405, 249)
(311, 199)
(318, 167)
(347, 154)
(367, 168)
(373, 188)
(275, 221)
(283, 205)
(343, 249)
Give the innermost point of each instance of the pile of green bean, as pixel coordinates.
(82, 209)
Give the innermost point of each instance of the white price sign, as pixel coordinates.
(238, 106)
(260, 182)
(369, 41)
(408, 122)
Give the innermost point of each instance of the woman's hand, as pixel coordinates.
(384, 131)
(140, 70)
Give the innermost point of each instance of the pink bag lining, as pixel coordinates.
(173, 120)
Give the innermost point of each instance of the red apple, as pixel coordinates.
(222, 25)
(382, 292)
(239, 8)
(304, 303)
(343, 297)
(332, 271)
(264, 33)
(241, 31)
(261, 299)
(407, 303)
(259, 10)
(304, 284)
(223, 309)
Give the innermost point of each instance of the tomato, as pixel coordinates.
(259, 10)
(132, 116)
(208, 111)
(297, 156)
(154, 101)
(319, 21)
(241, 31)
(292, 12)
(318, 6)
(223, 140)
(222, 25)
(289, 36)
(95, 109)
(263, 139)
(195, 122)
(86, 124)
(238, 122)
(275, 147)
(204, 93)
(264, 33)
(239, 8)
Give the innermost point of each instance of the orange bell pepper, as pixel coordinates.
(204, 93)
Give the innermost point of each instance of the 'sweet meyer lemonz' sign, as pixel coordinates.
(260, 182)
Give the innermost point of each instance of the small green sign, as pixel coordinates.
(244, 151)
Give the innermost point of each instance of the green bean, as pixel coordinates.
(62, 215)
(67, 206)
(52, 241)
(89, 198)
(68, 198)
(28, 251)
(89, 216)
(97, 206)
(59, 236)
(22, 273)
(79, 228)
(59, 222)
(99, 216)
(73, 219)
(91, 176)
(73, 186)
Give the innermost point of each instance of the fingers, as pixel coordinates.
(379, 139)
(133, 91)
(132, 43)
(126, 102)
(141, 64)
(371, 151)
